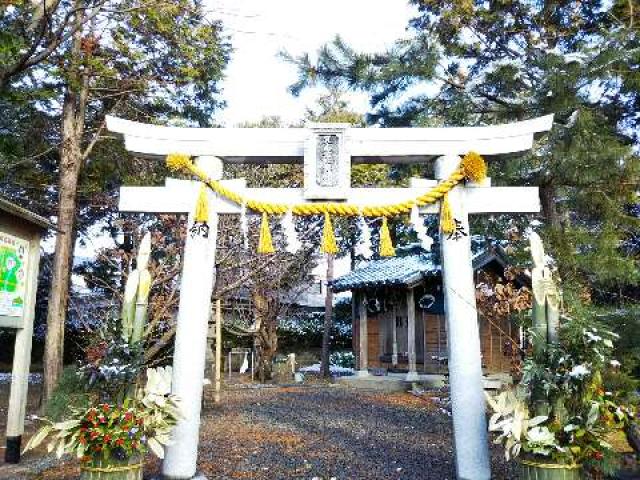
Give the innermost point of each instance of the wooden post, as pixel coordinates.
(411, 336)
(382, 322)
(253, 364)
(490, 326)
(22, 358)
(394, 335)
(465, 370)
(364, 360)
(424, 341)
(439, 361)
(325, 370)
(219, 350)
(355, 328)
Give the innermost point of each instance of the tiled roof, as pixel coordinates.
(388, 271)
(405, 269)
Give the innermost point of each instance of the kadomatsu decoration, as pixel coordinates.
(559, 418)
(111, 439)
(127, 418)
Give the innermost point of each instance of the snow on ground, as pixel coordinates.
(334, 369)
(34, 378)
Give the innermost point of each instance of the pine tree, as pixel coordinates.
(496, 62)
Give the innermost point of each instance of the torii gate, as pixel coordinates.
(327, 151)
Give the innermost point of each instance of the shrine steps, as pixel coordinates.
(397, 382)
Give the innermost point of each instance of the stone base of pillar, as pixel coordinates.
(412, 377)
(197, 476)
(362, 373)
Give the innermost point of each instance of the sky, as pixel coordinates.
(257, 80)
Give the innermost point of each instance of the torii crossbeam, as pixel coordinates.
(327, 151)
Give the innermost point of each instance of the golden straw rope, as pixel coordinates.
(114, 468)
(570, 466)
(183, 162)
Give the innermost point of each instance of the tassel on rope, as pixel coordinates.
(473, 167)
(328, 238)
(447, 223)
(201, 214)
(178, 162)
(265, 244)
(386, 245)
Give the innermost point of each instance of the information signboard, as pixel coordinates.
(14, 253)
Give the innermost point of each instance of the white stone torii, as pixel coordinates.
(327, 151)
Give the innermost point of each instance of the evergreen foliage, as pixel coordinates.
(471, 63)
(68, 64)
(149, 61)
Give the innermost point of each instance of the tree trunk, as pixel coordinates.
(328, 321)
(267, 336)
(70, 164)
(633, 436)
(71, 160)
(549, 208)
(266, 346)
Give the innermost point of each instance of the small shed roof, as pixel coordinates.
(16, 210)
(404, 270)
(392, 271)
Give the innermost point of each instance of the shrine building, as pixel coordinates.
(405, 306)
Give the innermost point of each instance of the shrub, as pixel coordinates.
(70, 394)
(344, 359)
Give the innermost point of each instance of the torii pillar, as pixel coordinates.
(194, 309)
(463, 338)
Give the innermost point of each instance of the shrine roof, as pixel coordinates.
(33, 218)
(392, 271)
(410, 267)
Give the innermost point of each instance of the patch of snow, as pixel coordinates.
(591, 337)
(579, 371)
(334, 369)
(34, 378)
(578, 57)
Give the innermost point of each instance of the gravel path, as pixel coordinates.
(325, 432)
